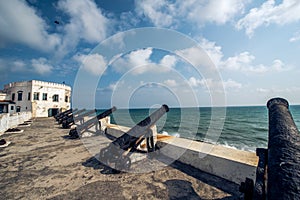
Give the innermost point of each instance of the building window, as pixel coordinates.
(29, 96)
(66, 99)
(13, 96)
(20, 94)
(18, 109)
(45, 96)
(55, 98)
(12, 108)
(36, 96)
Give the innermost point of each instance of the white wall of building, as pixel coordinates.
(45, 91)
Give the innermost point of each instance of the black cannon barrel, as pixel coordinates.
(66, 115)
(72, 114)
(62, 113)
(60, 117)
(106, 113)
(67, 122)
(82, 115)
(128, 139)
(96, 119)
(283, 152)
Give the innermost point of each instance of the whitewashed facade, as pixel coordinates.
(6, 105)
(43, 99)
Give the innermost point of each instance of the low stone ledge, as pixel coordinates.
(230, 164)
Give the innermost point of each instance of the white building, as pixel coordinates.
(6, 105)
(43, 99)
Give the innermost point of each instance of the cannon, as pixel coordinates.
(280, 163)
(66, 113)
(75, 133)
(62, 113)
(70, 115)
(118, 152)
(67, 123)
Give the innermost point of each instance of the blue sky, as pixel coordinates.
(253, 47)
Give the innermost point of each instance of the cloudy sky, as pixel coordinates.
(104, 49)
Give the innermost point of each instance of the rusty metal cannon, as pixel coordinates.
(278, 171)
(93, 122)
(118, 152)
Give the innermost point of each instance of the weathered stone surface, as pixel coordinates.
(41, 164)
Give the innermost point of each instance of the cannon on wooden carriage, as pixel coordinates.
(117, 154)
(83, 127)
(278, 170)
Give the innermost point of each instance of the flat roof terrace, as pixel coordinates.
(41, 163)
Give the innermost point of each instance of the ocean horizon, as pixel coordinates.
(244, 128)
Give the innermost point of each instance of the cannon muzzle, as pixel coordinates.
(280, 163)
(283, 152)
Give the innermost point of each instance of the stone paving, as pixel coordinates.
(41, 163)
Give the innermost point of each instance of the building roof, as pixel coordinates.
(6, 102)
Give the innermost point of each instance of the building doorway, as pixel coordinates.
(52, 112)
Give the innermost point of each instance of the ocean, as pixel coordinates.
(245, 128)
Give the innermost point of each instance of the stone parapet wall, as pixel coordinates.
(11, 121)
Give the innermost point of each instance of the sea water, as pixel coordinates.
(244, 128)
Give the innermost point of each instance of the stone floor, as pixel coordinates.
(41, 163)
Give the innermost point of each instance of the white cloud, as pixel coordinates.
(196, 56)
(170, 83)
(195, 11)
(244, 62)
(92, 63)
(215, 11)
(139, 62)
(193, 82)
(87, 23)
(270, 13)
(213, 51)
(214, 85)
(231, 84)
(168, 61)
(134, 59)
(18, 66)
(19, 23)
(238, 62)
(296, 37)
(41, 66)
(86, 20)
(160, 12)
